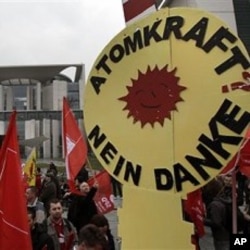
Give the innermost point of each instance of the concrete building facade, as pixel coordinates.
(37, 92)
(234, 12)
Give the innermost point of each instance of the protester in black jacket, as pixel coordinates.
(39, 237)
(82, 207)
(219, 214)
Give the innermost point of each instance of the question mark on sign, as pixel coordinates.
(243, 85)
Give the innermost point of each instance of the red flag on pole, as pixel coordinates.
(103, 197)
(231, 165)
(134, 9)
(241, 158)
(194, 207)
(244, 161)
(75, 147)
(14, 228)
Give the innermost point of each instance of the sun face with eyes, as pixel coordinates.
(152, 96)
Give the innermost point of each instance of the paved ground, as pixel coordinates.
(206, 243)
(113, 222)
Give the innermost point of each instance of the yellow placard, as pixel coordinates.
(159, 111)
(165, 108)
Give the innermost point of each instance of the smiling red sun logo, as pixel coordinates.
(153, 96)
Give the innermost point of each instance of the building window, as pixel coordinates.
(19, 97)
(73, 95)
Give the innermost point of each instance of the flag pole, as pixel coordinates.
(234, 190)
(91, 168)
(234, 201)
(164, 3)
(89, 163)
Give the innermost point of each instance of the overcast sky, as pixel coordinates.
(37, 32)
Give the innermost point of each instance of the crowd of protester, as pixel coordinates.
(80, 227)
(218, 195)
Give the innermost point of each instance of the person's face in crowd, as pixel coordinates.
(30, 196)
(84, 187)
(228, 181)
(56, 210)
(30, 221)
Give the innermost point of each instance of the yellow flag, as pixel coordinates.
(30, 168)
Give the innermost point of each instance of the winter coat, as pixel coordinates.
(82, 209)
(40, 238)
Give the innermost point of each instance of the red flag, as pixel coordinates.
(75, 147)
(14, 228)
(241, 158)
(194, 207)
(231, 165)
(103, 197)
(244, 159)
(134, 9)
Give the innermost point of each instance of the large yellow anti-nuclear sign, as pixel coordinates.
(167, 100)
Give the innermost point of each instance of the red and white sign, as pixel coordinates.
(103, 197)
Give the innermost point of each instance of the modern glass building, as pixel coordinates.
(36, 92)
